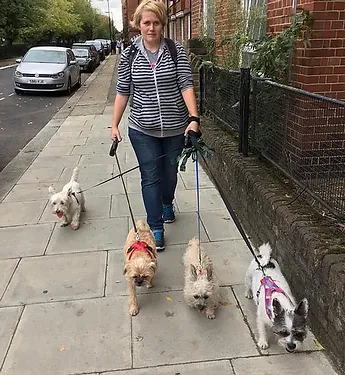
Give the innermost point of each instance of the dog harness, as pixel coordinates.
(142, 246)
(270, 287)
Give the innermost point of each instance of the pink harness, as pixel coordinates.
(270, 287)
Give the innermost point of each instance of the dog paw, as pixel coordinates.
(263, 344)
(75, 226)
(64, 224)
(148, 286)
(210, 315)
(134, 310)
(248, 294)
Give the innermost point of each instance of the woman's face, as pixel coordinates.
(150, 28)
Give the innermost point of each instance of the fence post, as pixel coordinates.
(201, 89)
(244, 110)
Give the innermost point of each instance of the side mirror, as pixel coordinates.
(73, 62)
(18, 61)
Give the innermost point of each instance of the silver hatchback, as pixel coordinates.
(47, 69)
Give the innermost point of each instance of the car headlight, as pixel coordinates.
(17, 73)
(61, 74)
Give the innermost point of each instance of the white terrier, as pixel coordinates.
(201, 289)
(69, 202)
(276, 306)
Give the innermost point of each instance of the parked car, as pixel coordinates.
(106, 45)
(87, 60)
(91, 47)
(99, 46)
(47, 69)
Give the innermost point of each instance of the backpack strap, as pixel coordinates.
(133, 50)
(172, 49)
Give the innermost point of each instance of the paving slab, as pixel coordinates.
(92, 149)
(20, 213)
(288, 364)
(183, 335)
(72, 122)
(189, 179)
(9, 317)
(249, 309)
(93, 140)
(71, 338)
(104, 234)
(210, 200)
(207, 368)
(64, 133)
(230, 258)
(89, 174)
(183, 229)
(57, 151)
(39, 175)
(96, 208)
(7, 267)
(134, 183)
(96, 159)
(90, 109)
(119, 206)
(57, 278)
(28, 192)
(54, 162)
(102, 120)
(219, 226)
(24, 241)
(59, 142)
(169, 275)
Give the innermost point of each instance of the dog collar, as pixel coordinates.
(270, 287)
(74, 195)
(142, 246)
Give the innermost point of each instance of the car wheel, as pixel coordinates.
(69, 87)
(78, 84)
(18, 92)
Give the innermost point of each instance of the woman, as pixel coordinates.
(163, 110)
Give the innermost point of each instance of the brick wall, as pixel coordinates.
(196, 11)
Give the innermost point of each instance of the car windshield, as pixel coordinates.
(45, 56)
(95, 42)
(81, 52)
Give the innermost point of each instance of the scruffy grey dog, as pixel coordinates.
(276, 307)
(69, 202)
(201, 289)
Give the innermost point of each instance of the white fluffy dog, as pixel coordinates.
(201, 289)
(69, 202)
(276, 307)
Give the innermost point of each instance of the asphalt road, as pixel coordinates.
(23, 116)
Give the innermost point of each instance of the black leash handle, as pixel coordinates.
(112, 152)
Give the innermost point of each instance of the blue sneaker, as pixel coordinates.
(159, 237)
(168, 213)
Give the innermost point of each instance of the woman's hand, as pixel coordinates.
(115, 134)
(192, 126)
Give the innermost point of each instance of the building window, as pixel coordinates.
(256, 18)
(189, 27)
(182, 29)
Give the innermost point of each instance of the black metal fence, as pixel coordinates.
(301, 133)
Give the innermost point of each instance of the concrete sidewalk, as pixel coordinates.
(64, 304)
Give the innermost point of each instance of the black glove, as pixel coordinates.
(191, 138)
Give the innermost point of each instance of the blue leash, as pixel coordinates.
(198, 194)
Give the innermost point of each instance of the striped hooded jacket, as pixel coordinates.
(157, 108)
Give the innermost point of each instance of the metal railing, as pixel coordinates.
(301, 133)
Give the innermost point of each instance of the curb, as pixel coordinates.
(14, 170)
(7, 66)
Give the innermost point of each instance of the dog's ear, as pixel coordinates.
(51, 190)
(209, 272)
(302, 308)
(153, 265)
(277, 307)
(69, 191)
(125, 270)
(193, 272)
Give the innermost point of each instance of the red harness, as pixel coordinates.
(142, 246)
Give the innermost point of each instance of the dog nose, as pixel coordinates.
(291, 346)
(139, 282)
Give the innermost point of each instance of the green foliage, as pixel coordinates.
(273, 52)
(34, 21)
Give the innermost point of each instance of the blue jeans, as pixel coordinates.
(158, 177)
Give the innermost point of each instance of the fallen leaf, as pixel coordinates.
(62, 349)
(168, 299)
(318, 345)
(225, 303)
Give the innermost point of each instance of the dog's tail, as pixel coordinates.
(265, 251)
(142, 225)
(75, 174)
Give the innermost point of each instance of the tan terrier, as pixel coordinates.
(140, 261)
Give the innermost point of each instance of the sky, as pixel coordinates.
(115, 10)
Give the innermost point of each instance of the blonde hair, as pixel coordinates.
(157, 7)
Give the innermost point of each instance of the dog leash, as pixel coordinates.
(113, 152)
(195, 139)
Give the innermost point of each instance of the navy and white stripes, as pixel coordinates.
(158, 108)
